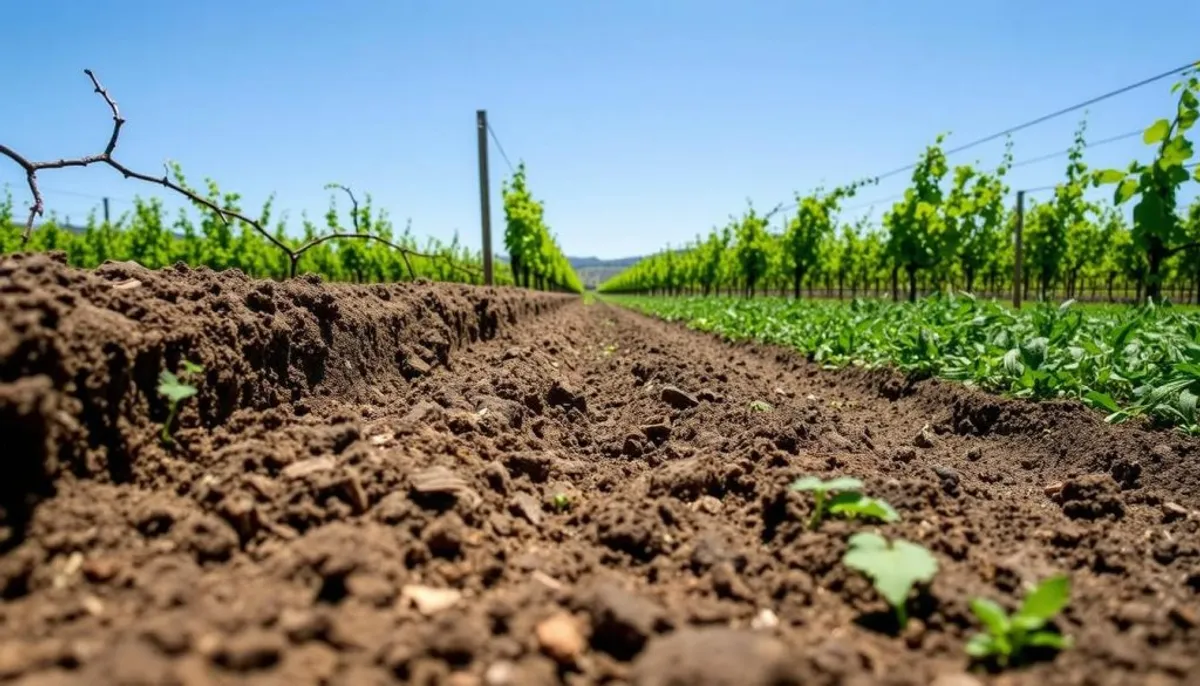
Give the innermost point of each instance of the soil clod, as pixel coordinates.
(717, 657)
(678, 398)
(1092, 496)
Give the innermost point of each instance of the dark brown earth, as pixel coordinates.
(432, 484)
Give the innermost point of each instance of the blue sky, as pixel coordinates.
(643, 122)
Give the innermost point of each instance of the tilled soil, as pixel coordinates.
(432, 484)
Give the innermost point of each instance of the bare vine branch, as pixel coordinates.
(776, 210)
(226, 215)
(358, 233)
(353, 201)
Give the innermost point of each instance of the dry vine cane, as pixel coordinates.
(294, 254)
(404, 252)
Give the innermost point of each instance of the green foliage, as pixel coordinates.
(176, 390)
(976, 211)
(1008, 637)
(895, 567)
(848, 500)
(1142, 361)
(561, 502)
(919, 237)
(807, 237)
(752, 250)
(534, 254)
(1158, 229)
(1058, 232)
(149, 236)
(953, 229)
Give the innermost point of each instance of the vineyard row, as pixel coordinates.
(224, 237)
(953, 228)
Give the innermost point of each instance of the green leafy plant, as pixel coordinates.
(805, 238)
(1008, 636)
(535, 258)
(175, 390)
(847, 501)
(1127, 361)
(919, 237)
(894, 567)
(561, 502)
(1158, 229)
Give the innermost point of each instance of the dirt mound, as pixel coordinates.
(81, 352)
(567, 494)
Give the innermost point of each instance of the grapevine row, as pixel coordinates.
(148, 236)
(537, 260)
(952, 229)
(226, 237)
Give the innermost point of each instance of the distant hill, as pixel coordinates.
(593, 271)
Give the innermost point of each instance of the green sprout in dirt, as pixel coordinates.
(561, 502)
(761, 406)
(1008, 636)
(894, 567)
(848, 500)
(175, 390)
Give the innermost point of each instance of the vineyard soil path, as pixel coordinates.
(592, 496)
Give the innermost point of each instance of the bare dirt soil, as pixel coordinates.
(432, 484)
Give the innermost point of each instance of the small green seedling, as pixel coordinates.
(761, 406)
(848, 500)
(176, 391)
(1007, 636)
(561, 502)
(894, 567)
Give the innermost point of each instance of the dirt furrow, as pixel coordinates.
(590, 496)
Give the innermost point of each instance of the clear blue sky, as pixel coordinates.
(643, 122)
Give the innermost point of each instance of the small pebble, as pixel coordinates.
(765, 620)
(955, 680)
(429, 600)
(560, 638)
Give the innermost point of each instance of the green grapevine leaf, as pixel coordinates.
(1125, 191)
(1177, 151)
(1187, 119)
(1188, 100)
(1156, 132)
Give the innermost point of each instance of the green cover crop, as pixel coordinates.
(1127, 361)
